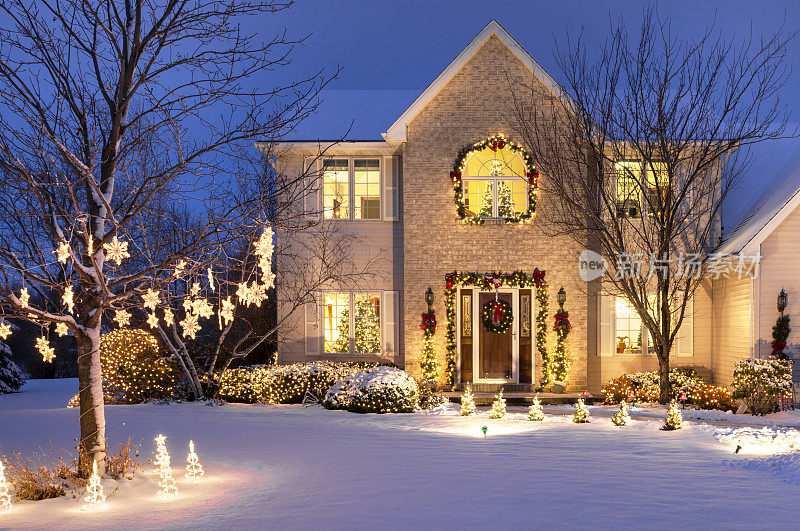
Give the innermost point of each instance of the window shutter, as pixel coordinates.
(391, 171)
(313, 178)
(390, 325)
(607, 339)
(312, 328)
(684, 340)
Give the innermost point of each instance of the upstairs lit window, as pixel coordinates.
(495, 184)
(351, 181)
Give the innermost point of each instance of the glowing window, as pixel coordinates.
(659, 195)
(336, 322)
(367, 189)
(628, 174)
(336, 189)
(628, 327)
(495, 185)
(367, 319)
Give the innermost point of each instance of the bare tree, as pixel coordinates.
(643, 146)
(110, 112)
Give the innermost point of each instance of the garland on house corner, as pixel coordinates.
(517, 279)
(494, 143)
(560, 363)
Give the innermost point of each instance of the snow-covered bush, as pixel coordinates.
(429, 398)
(760, 382)
(11, 377)
(646, 384)
(285, 384)
(381, 390)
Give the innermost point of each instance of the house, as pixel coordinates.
(476, 240)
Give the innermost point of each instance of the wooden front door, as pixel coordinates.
(495, 351)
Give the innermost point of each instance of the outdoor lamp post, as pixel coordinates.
(562, 297)
(429, 298)
(783, 300)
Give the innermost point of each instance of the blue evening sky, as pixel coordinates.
(390, 51)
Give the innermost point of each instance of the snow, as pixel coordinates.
(307, 468)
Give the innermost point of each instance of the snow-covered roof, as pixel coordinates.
(398, 130)
(779, 198)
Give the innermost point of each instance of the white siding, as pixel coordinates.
(731, 325)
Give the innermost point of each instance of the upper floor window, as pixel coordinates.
(631, 177)
(495, 178)
(351, 181)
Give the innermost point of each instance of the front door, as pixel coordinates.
(495, 350)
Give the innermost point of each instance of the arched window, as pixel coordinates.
(495, 179)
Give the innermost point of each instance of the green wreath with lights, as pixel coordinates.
(494, 143)
(488, 311)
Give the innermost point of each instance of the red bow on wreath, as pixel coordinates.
(450, 279)
(533, 178)
(493, 280)
(429, 320)
(455, 175)
(498, 313)
(538, 277)
(562, 320)
(777, 348)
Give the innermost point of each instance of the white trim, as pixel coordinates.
(398, 130)
(753, 246)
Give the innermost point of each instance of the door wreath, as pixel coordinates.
(497, 316)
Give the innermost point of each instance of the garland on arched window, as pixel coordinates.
(494, 143)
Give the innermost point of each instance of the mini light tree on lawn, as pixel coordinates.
(498, 410)
(194, 470)
(467, 403)
(535, 412)
(166, 482)
(581, 415)
(5, 495)
(94, 497)
(622, 416)
(674, 417)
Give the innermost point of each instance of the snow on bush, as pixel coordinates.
(381, 390)
(11, 378)
(759, 383)
(285, 384)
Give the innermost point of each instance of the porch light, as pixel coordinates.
(429, 298)
(562, 297)
(783, 300)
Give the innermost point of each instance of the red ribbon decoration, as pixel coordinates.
(533, 178)
(492, 280)
(562, 320)
(777, 348)
(429, 320)
(455, 175)
(498, 313)
(493, 145)
(450, 279)
(501, 144)
(538, 277)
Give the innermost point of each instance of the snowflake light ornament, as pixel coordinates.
(169, 318)
(152, 320)
(116, 250)
(67, 299)
(5, 330)
(150, 299)
(180, 268)
(48, 353)
(24, 297)
(63, 252)
(195, 289)
(190, 325)
(122, 317)
(202, 308)
(226, 312)
(61, 329)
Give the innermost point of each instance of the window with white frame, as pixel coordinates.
(631, 177)
(356, 312)
(628, 327)
(495, 184)
(351, 181)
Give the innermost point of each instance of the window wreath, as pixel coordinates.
(497, 316)
(494, 142)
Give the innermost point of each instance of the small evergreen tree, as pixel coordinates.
(11, 378)
(674, 417)
(505, 204)
(367, 327)
(622, 416)
(535, 412)
(581, 415)
(342, 343)
(498, 406)
(467, 403)
(5, 495)
(486, 201)
(429, 364)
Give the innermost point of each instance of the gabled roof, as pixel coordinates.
(398, 130)
(776, 203)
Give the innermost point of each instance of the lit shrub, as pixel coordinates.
(760, 382)
(132, 369)
(707, 396)
(646, 384)
(381, 390)
(285, 384)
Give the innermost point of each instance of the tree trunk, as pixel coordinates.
(90, 390)
(663, 378)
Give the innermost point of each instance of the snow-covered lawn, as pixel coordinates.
(308, 468)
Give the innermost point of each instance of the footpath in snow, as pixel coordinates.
(308, 468)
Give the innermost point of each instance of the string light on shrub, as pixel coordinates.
(467, 403)
(166, 483)
(116, 250)
(44, 348)
(68, 299)
(498, 410)
(131, 366)
(581, 415)
(62, 252)
(194, 470)
(5, 330)
(122, 318)
(674, 417)
(151, 299)
(535, 412)
(5, 495)
(94, 497)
